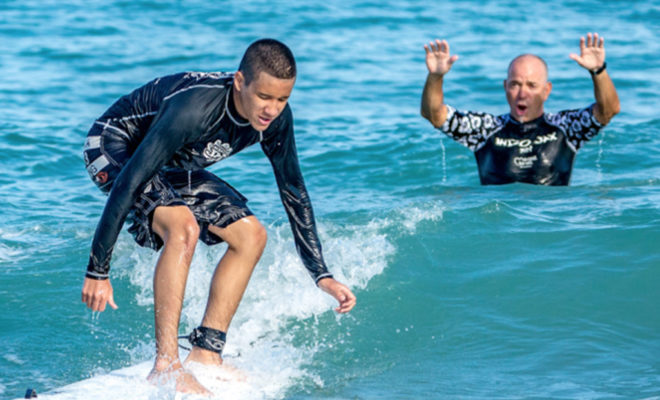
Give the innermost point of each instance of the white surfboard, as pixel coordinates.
(131, 383)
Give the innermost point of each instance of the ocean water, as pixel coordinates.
(464, 291)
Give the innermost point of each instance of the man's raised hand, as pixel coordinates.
(592, 52)
(438, 59)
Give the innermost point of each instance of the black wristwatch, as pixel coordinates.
(599, 70)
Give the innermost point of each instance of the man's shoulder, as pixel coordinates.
(460, 119)
(585, 115)
(473, 113)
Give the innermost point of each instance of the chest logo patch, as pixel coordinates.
(541, 139)
(524, 162)
(216, 151)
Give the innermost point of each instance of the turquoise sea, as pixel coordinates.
(464, 291)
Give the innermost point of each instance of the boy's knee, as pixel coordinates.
(252, 236)
(179, 228)
(184, 237)
(259, 236)
(189, 232)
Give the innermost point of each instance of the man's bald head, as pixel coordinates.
(531, 59)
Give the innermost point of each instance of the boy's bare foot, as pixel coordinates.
(210, 358)
(165, 372)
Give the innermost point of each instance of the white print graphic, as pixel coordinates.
(550, 137)
(510, 142)
(199, 75)
(524, 162)
(216, 151)
(216, 343)
(97, 165)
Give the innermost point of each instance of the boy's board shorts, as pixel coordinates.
(211, 200)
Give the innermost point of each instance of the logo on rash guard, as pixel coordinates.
(524, 162)
(216, 151)
(511, 142)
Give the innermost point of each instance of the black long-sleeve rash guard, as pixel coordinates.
(188, 120)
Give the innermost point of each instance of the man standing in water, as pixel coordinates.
(526, 145)
(148, 152)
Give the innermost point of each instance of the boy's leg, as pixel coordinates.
(179, 231)
(246, 239)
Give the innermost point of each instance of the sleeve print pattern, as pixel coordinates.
(580, 125)
(471, 129)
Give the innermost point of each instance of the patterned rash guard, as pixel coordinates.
(186, 121)
(538, 152)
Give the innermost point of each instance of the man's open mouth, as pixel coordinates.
(521, 108)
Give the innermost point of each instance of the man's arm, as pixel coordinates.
(283, 156)
(592, 58)
(438, 62)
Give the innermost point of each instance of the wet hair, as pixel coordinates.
(269, 56)
(545, 65)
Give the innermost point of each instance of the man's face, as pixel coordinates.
(527, 88)
(263, 99)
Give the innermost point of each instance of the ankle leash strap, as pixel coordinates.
(207, 338)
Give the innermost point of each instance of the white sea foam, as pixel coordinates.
(13, 358)
(7, 235)
(410, 217)
(7, 253)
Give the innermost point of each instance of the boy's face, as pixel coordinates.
(263, 99)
